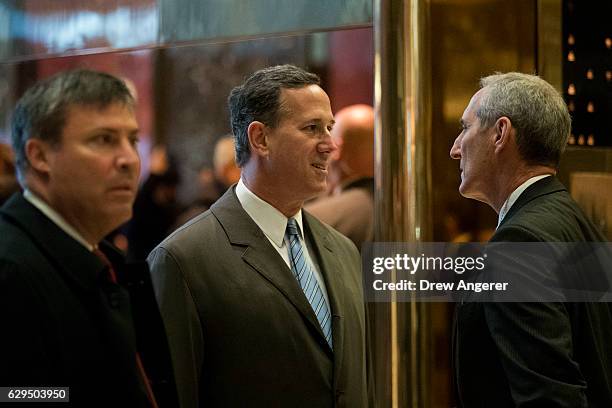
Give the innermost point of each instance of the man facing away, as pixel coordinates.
(263, 303)
(350, 209)
(68, 318)
(515, 129)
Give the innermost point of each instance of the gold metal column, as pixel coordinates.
(550, 33)
(402, 81)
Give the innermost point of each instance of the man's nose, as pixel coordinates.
(455, 151)
(128, 157)
(328, 145)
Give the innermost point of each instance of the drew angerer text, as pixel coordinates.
(425, 285)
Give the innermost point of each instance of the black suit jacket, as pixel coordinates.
(65, 324)
(241, 331)
(536, 354)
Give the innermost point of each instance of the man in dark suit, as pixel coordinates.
(538, 354)
(73, 313)
(350, 207)
(263, 303)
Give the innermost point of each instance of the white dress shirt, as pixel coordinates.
(273, 224)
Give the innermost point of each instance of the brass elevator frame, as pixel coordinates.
(402, 94)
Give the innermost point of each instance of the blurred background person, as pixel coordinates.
(350, 207)
(225, 169)
(8, 180)
(156, 208)
(213, 183)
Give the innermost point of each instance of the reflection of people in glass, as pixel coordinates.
(263, 303)
(515, 129)
(350, 209)
(68, 318)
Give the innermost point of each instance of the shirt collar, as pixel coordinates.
(515, 195)
(271, 221)
(56, 218)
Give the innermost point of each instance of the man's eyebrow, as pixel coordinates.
(319, 120)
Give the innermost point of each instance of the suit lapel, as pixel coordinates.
(260, 255)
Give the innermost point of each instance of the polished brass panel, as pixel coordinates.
(549, 42)
(402, 190)
(469, 39)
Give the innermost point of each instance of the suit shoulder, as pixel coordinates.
(551, 218)
(15, 245)
(190, 232)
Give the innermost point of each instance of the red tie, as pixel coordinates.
(113, 278)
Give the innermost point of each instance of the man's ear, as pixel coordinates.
(257, 138)
(37, 153)
(504, 133)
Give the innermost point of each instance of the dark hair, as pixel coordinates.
(41, 111)
(536, 109)
(258, 99)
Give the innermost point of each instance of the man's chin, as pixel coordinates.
(119, 216)
(463, 191)
(474, 196)
(467, 193)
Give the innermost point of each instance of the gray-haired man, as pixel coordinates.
(515, 129)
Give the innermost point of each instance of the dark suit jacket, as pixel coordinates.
(241, 331)
(65, 324)
(536, 354)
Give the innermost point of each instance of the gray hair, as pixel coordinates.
(41, 111)
(535, 108)
(258, 99)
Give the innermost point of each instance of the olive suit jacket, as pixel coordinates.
(241, 332)
(536, 354)
(64, 323)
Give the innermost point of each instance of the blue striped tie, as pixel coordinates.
(304, 273)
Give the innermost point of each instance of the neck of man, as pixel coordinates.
(512, 177)
(37, 188)
(276, 196)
